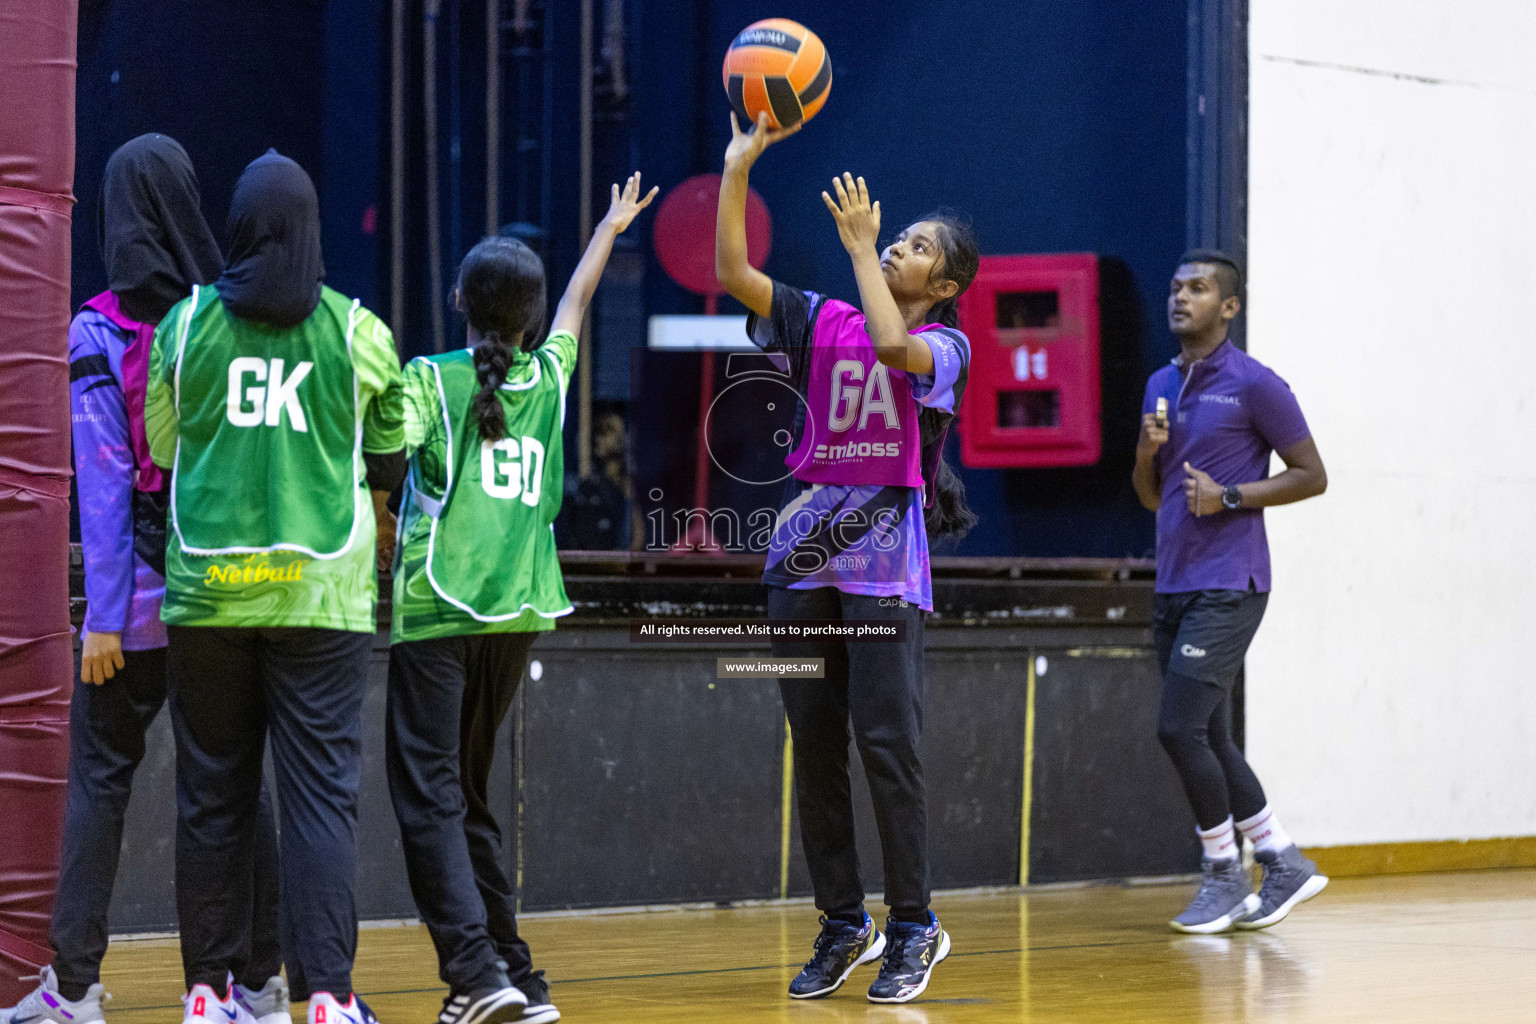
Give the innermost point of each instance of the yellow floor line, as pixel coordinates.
(788, 791)
(1029, 772)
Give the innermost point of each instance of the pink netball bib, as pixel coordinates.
(861, 427)
(147, 475)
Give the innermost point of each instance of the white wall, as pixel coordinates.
(1392, 689)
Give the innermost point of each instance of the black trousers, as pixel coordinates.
(107, 724)
(878, 687)
(231, 691)
(447, 698)
(1201, 638)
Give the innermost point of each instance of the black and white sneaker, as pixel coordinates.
(912, 951)
(539, 1009)
(839, 949)
(483, 1006)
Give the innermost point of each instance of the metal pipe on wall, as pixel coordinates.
(455, 136)
(584, 359)
(1216, 95)
(397, 172)
(492, 116)
(434, 215)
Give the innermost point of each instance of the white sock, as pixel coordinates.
(1220, 843)
(1265, 832)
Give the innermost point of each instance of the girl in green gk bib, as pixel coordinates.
(275, 404)
(476, 580)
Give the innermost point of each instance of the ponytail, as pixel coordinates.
(946, 312)
(500, 292)
(946, 512)
(493, 358)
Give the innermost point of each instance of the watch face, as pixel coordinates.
(1232, 497)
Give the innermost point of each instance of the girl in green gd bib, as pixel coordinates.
(476, 580)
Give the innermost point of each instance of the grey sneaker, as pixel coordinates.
(1289, 878)
(1225, 897)
(269, 1005)
(44, 1004)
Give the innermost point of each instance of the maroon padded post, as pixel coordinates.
(37, 167)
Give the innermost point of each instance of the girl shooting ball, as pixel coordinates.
(867, 487)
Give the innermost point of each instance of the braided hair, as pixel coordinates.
(501, 295)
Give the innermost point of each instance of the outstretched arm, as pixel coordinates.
(622, 210)
(745, 283)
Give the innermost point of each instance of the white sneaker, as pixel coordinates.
(44, 1005)
(266, 1005)
(203, 1005)
(324, 1009)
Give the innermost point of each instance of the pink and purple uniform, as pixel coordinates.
(107, 366)
(865, 441)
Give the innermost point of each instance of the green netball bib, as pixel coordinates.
(268, 455)
(490, 544)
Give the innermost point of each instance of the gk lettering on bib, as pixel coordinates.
(251, 405)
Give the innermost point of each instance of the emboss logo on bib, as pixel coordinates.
(859, 450)
(265, 401)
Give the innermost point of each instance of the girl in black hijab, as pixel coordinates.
(156, 246)
(274, 271)
(149, 223)
(276, 403)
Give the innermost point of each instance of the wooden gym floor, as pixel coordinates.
(1435, 948)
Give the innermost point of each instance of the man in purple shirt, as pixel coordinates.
(1210, 422)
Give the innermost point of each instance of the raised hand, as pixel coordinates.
(626, 205)
(746, 147)
(858, 220)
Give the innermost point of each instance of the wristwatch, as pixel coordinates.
(1231, 498)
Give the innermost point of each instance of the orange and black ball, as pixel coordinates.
(779, 66)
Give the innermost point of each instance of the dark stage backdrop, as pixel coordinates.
(1057, 127)
(229, 80)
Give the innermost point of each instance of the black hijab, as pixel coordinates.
(274, 270)
(150, 227)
